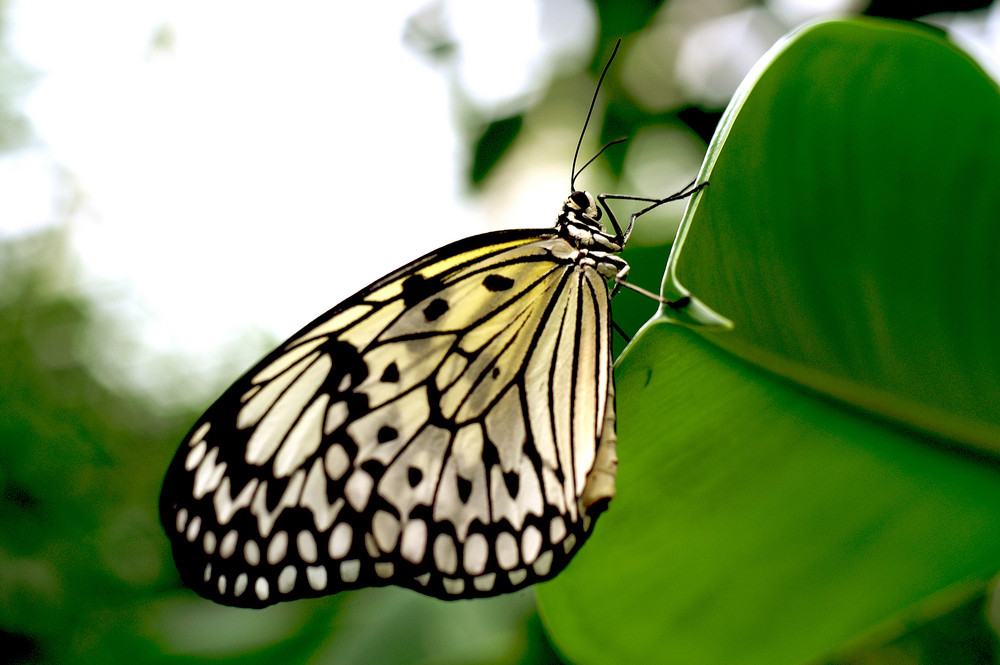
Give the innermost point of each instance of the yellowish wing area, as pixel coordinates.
(447, 429)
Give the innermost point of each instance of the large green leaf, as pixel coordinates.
(837, 475)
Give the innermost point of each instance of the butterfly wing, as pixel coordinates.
(450, 428)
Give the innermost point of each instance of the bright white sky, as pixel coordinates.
(266, 161)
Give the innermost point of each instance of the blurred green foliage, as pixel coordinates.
(85, 570)
(78, 525)
(494, 142)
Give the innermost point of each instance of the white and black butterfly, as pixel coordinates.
(450, 428)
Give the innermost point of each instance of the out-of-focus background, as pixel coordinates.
(183, 184)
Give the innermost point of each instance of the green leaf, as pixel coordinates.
(831, 474)
(491, 146)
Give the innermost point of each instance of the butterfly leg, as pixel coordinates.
(618, 329)
(618, 271)
(622, 237)
(673, 304)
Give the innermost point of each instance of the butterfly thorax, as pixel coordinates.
(579, 222)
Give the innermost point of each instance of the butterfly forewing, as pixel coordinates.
(437, 431)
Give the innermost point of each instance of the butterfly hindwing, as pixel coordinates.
(450, 429)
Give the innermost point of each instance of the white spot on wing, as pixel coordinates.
(194, 526)
(337, 461)
(475, 554)
(316, 576)
(340, 540)
(557, 530)
(286, 579)
(277, 548)
(385, 528)
(251, 552)
(384, 569)
(195, 456)
(345, 384)
(261, 588)
(453, 586)
(507, 554)
(240, 585)
(414, 544)
(518, 576)
(199, 434)
(228, 546)
(358, 489)
(208, 542)
(336, 415)
(544, 564)
(485, 582)
(307, 546)
(531, 544)
(445, 554)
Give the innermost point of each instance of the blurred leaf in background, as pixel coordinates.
(85, 571)
(786, 515)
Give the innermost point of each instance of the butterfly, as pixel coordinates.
(449, 428)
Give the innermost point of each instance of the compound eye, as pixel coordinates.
(580, 199)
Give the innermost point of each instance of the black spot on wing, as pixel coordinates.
(513, 483)
(414, 476)
(498, 282)
(417, 288)
(464, 489)
(434, 310)
(391, 374)
(347, 362)
(386, 434)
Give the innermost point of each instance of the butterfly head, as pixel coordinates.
(582, 204)
(579, 221)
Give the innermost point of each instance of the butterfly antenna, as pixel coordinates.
(574, 173)
(599, 153)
